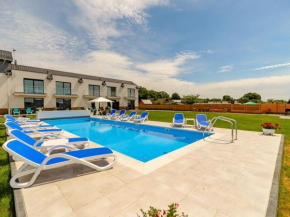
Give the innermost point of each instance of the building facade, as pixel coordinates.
(30, 87)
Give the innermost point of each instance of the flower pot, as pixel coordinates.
(268, 131)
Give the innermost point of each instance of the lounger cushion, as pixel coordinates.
(49, 130)
(78, 139)
(37, 157)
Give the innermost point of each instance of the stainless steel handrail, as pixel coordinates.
(233, 123)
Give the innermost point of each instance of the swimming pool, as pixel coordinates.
(139, 141)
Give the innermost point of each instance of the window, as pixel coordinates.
(32, 86)
(131, 92)
(63, 104)
(63, 88)
(33, 103)
(94, 90)
(112, 92)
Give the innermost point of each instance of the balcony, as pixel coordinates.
(30, 91)
(92, 94)
(131, 97)
(113, 95)
(65, 93)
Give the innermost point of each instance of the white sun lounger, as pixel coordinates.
(39, 162)
(46, 133)
(178, 120)
(44, 144)
(129, 117)
(142, 117)
(22, 120)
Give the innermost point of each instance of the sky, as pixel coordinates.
(207, 47)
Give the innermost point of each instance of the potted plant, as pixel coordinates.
(269, 128)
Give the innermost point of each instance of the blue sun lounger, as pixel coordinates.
(54, 132)
(201, 121)
(118, 116)
(22, 120)
(43, 145)
(178, 120)
(142, 117)
(39, 162)
(109, 115)
(129, 117)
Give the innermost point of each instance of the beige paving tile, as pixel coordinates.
(101, 207)
(228, 172)
(161, 197)
(219, 214)
(212, 191)
(185, 180)
(78, 192)
(125, 174)
(124, 197)
(193, 207)
(104, 182)
(45, 200)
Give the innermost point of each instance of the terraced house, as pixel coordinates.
(30, 87)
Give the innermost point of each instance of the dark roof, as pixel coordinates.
(67, 74)
(6, 55)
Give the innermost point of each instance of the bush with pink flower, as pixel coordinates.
(170, 212)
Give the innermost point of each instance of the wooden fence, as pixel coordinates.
(271, 108)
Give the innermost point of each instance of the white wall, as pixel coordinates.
(49, 87)
(62, 114)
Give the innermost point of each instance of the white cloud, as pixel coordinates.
(167, 68)
(43, 45)
(99, 18)
(273, 66)
(226, 68)
(209, 51)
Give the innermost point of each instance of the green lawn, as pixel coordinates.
(245, 122)
(6, 193)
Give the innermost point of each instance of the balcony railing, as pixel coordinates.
(131, 95)
(27, 89)
(112, 94)
(63, 91)
(94, 93)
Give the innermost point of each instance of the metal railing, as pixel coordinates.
(94, 93)
(28, 89)
(234, 126)
(63, 91)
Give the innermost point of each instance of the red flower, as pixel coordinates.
(276, 125)
(164, 212)
(279, 128)
(157, 215)
(176, 204)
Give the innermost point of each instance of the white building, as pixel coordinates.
(30, 87)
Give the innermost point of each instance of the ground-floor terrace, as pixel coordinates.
(209, 178)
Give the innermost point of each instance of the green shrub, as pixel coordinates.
(171, 212)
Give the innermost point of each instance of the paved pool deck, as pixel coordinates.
(210, 178)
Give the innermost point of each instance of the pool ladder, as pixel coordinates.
(234, 126)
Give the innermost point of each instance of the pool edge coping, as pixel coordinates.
(274, 193)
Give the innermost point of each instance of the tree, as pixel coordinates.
(162, 94)
(152, 94)
(143, 93)
(250, 97)
(227, 98)
(175, 96)
(270, 100)
(215, 100)
(190, 99)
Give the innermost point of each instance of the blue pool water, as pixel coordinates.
(139, 141)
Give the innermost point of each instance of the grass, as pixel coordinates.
(245, 122)
(6, 192)
(252, 123)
